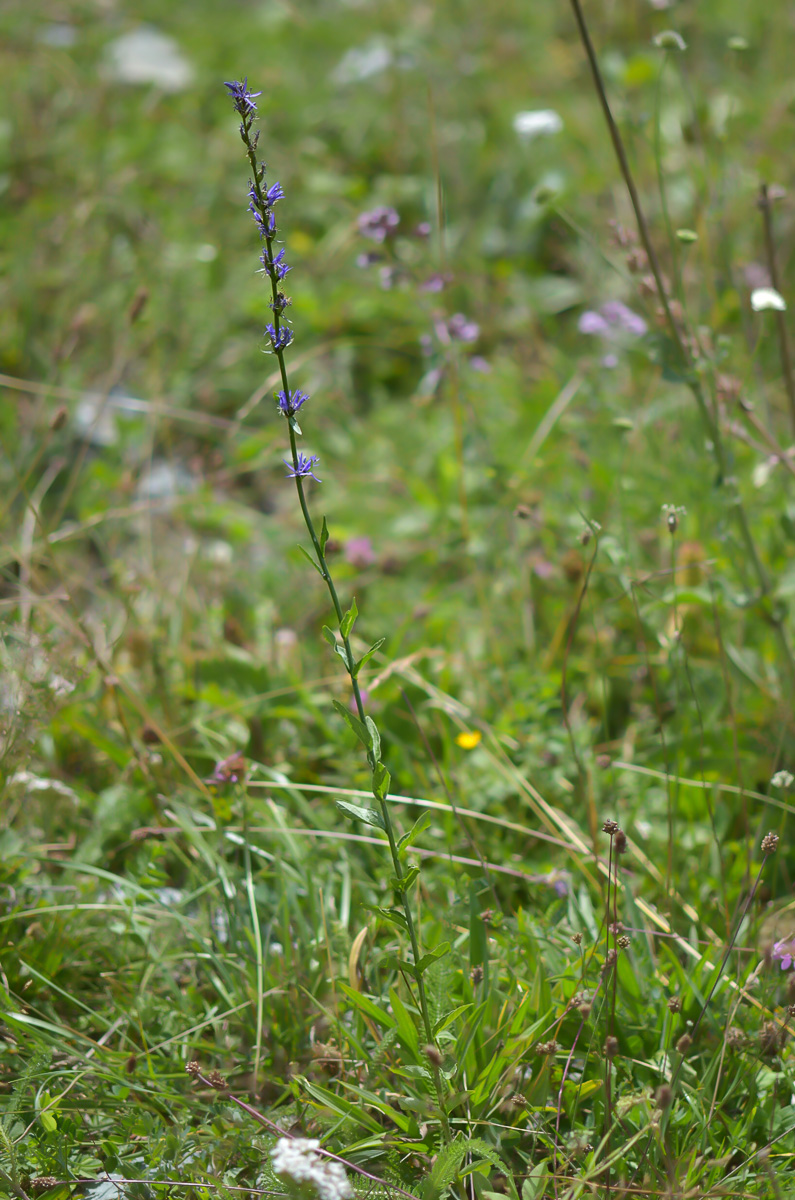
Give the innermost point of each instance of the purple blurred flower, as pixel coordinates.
(423, 230)
(229, 770)
(281, 338)
(478, 363)
(242, 97)
(367, 259)
(785, 951)
(379, 223)
(365, 695)
(387, 277)
(612, 319)
(434, 283)
(610, 361)
(304, 466)
(621, 317)
(359, 552)
(288, 403)
(592, 323)
(462, 329)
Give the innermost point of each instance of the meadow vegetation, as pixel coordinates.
(513, 916)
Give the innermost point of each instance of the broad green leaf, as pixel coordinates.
(368, 815)
(432, 956)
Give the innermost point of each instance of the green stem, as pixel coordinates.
(277, 308)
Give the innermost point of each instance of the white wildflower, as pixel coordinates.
(783, 779)
(537, 123)
(767, 297)
(298, 1159)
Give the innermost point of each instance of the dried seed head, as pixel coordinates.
(684, 1043)
(216, 1080)
(675, 1004)
(610, 959)
(193, 1068)
(620, 842)
(545, 1048)
(735, 1038)
(625, 942)
(791, 1010)
(577, 939)
(616, 928)
(476, 975)
(770, 843)
(433, 1055)
(771, 1038)
(42, 1183)
(663, 1096)
(518, 1100)
(610, 827)
(611, 1047)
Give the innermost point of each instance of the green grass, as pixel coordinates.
(158, 618)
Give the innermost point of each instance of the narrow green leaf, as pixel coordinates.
(366, 657)
(432, 956)
(368, 815)
(375, 738)
(393, 915)
(404, 884)
(448, 1019)
(419, 826)
(381, 781)
(328, 634)
(358, 727)
(343, 653)
(366, 1005)
(323, 536)
(311, 560)
(346, 624)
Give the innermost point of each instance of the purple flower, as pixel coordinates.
(461, 329)
(612, 319)
(434, 283)
(379, 223)
(275, 266)
(242, 97)
(423, 230)
(275, 192)
(367, 259)
(288, 403)
(478, 363)
(280, 338)
(265, 224)
(592, 323)
(786, 952)
(302, 467)
(618, 315)
(359, 552)
(610, 361)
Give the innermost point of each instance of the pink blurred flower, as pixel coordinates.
(359, 552)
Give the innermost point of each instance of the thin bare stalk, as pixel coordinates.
(781, 324)
(687, 367)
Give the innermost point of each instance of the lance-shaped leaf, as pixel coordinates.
(346, 624)
(358, 727)
(368, 815)
(366, 657)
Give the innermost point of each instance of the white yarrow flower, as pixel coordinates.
(298, 1159)
(537, 123)
(767, 297)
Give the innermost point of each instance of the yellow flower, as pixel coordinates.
(469, 739)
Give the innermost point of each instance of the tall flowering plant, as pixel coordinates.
(300, 467)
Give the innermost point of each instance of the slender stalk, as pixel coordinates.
(683, 354)
(263, 204)
(781, 324)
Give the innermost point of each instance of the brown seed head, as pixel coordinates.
(620, 842)
(216, 1080)
(770, 843)
(675, 1004)
(433, 1055)
(476, 975)
(625, 942)
(577, 939)
(42, 1183)
(735, 1037)
(544, 1048)
(771, 1038)
(58, 418)
(610, 827)
(193, 1068)
(611, 1047)
(684, 1043)
(663, 1096)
